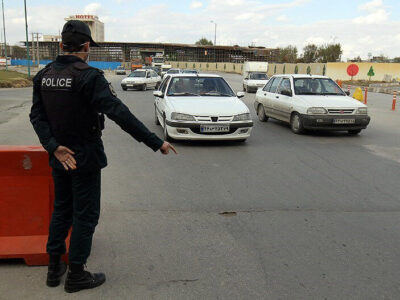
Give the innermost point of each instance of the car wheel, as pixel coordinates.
(156, 117)
(261, 113)
(166, 136)
(296, 124)
(124, 88)
(144, 87)
(244, 88)
(242, 141)
(354, 132)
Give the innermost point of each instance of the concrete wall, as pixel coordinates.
(104, 65)
(383, 71)
(339, 71)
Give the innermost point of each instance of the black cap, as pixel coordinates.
(76, 32)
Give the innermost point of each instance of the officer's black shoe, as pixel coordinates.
(81, 280)
(55, 271)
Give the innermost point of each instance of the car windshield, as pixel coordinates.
(158, 59)
(190, 71)
(199, 86)
(258, 76)
(173, 72)
(138, 74)
(120, 68)
(165, 69)
(316, 86)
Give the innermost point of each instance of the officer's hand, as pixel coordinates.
(65, 156)
(166, 147)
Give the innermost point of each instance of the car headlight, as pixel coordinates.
(242, 117)
(362, 111)
(182, 117)
(317, 111)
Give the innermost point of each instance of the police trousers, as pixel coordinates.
(76, 204)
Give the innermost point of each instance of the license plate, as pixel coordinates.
(344, 121)
(214, 128)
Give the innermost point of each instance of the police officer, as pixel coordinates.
(69, 100)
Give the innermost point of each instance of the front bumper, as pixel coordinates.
(325, 122)
(191, 131)
(132, 85)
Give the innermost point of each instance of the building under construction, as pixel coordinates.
(125, 52)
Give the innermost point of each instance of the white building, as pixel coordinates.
(51, 38)
(96, 27)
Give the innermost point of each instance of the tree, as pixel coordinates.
(275, 69)
(371, 72)
(308, 70)
(288, 54)
(296, 69)
(310, 53)
(284, 69)
(324, 70)
(329, 53)
(204, 42)
(396, 60)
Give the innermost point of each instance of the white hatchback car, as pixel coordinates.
(201, 107)
(141, 79)
(310, 102)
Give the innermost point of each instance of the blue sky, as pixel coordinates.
(361, 26)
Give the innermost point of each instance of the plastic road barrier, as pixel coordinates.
(26, 202)
(358, 94)
(394, 100)
(365, 95)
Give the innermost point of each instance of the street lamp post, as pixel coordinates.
(27, 42)
(215, 33)
(5, 40)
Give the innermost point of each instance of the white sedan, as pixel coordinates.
(141, 79)
(201, 107)
(310, 102)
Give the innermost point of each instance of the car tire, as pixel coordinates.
(124, 88)
(296, 124)
(156, 117)
(242, 141)
(354, 132)
(261, 113)
(244, 88)
(144, 87)
(165, 132)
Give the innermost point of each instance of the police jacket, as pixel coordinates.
(69, 98)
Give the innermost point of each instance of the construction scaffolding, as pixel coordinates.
(125, 52)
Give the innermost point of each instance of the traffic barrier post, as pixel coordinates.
(394, 100)
(365, 95)
(26, 203)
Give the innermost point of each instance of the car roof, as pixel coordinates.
(300, 76)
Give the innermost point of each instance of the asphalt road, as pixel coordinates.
(312, 216)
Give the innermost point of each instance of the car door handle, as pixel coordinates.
(277, 97)
(265, 94)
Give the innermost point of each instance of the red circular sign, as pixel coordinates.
(352, 70)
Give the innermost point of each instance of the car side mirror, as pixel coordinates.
(148, 75)
(240, 94)
(158, 94)
(347, 93)
(247, 78)
(287, 93)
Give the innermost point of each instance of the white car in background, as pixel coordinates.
(254, 80)
(141, 79)
(120, 71)
(172, 71)
(310, 102)
(201, 107)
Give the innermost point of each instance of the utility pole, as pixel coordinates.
(33, 48)
(27, 41)
(215, 33)
(5, 40)
(37, 49)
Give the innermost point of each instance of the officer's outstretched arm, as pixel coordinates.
(103, 98)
